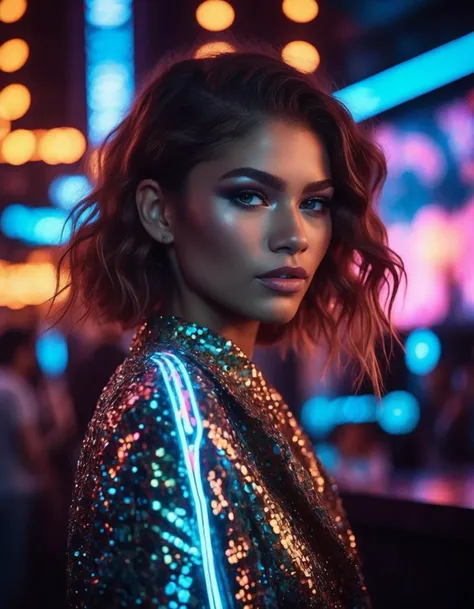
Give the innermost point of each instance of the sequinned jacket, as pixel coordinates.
(196, 488)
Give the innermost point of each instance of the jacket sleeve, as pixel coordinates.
(149, 541)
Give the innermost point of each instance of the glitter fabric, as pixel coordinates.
(197, 489)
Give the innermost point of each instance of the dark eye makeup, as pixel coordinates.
(242, 198)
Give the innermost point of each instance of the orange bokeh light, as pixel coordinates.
(29, 283)
(12, 10)
(18, 146)
(301, 55)
(15, 101)
(215, 15)
(13, 54)
(5, 127)
(301, 11)
(211, 49)
(62, 145)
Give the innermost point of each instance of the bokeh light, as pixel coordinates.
(215, 15)
(301, 11)
(67, 190)
(12, 10)
(317, 416)
(329, 455)
(39, 135)
(62, 145)
(52, 352)
(18, 146)
(35, 226)
(5, 127)
(423, 350)
(110, 65)
(13, 54)
(301, 55)
(211, 49)
(108, 13)
(26, 284)
(15, 101)
(399, 413)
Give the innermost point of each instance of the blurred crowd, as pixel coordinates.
(42, 424)
(434, 463)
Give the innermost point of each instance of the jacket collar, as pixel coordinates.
(218, 355)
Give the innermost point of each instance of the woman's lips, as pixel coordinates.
(289, 285)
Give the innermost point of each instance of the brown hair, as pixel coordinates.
(186, 113)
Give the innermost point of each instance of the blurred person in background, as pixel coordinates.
(364, 462)
(438, 393)
(454, 426)
(96, 365)
(25, 470)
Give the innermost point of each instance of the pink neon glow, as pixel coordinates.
(435, 242)
(457, 121)
(427, 296)
(413, 151)
(463, 219)
(424, 157)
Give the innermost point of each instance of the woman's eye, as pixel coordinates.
(317, 204)
(250, 198)
(247, 198)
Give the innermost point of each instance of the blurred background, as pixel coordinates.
(68, 72)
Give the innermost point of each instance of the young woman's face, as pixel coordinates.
(264, 204)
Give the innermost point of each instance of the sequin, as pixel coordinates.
(196, 488)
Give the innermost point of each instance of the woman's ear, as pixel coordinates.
(153, 211)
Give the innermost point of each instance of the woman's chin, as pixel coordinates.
(277, 315)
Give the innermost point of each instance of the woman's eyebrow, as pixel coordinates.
(273, 181)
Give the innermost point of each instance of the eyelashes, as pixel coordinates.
(317, 204)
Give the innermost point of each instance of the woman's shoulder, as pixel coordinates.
(150, 383)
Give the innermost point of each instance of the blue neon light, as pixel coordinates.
(52, 353)
(329, 455)
(320, 415)
(171, 366)
(110, 68)
(67, 190)
(423, 350)
(410, 79)
(108, 13)
(35, 225)
(399, 412)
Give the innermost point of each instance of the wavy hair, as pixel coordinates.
(187, 112)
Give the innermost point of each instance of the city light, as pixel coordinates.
(12, 10)
(109, 65)
(13, 55)
(35, 225)
(399, 413)
(28, 284)
(301, 55)
(62, 145)
(67, 190)
(410, 79)
(423, 350)
(18, 147)
(211, 49)
(15, 101)
(215, 15)
(108, 13)
(301, 11)
(52, 352)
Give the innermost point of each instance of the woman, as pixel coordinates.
(233, 207)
